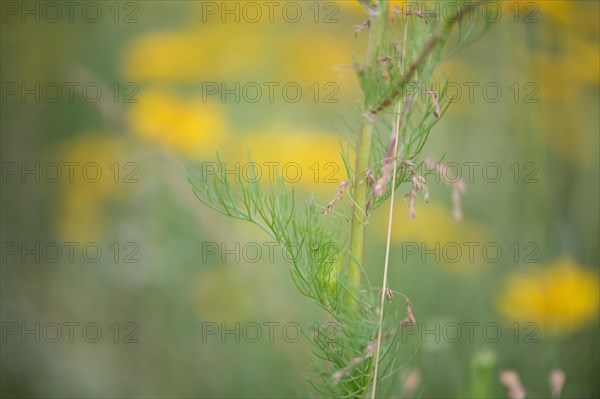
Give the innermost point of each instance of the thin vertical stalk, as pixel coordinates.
(387, 253)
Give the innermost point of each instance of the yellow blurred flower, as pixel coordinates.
(559, 10)
(351, 5)
(310, 159)
(434, 229)
(84, 200)
(565, 76)
(560, 298)
(565, 108)
(242, 52)
(189, 126)
(314, 57)
(194, 54)
(568, 76)
(432, 224)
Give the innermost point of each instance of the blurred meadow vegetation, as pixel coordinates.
(175, 288)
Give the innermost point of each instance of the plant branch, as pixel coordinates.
(433, 41)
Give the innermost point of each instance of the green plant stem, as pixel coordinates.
(363, 149)
(365, 134)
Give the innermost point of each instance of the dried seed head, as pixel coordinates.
(389, 294)
(386, 171)
(338, 196)
(367, 353)
(337, 376)
(458, 187)
(385, 65)
(359, 28)
(381, 185)
(418, 185)
(510, 379)
(458, 190)
(370, 349)
(412, 379)
(556, 379)
(409, 320)
(436, 103)
(369, 178)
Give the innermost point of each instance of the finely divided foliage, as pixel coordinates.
(404, 48)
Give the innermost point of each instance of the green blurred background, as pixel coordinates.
(156, 278)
